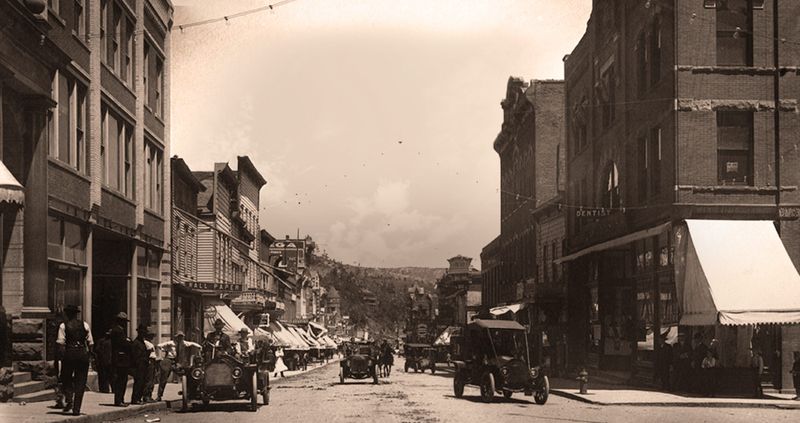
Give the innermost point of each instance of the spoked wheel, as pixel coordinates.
(487, 388)
(254, 393)
(458, 386)
(541, 395)
(184, 393)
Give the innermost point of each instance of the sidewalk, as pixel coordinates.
(607, 394)
(98, 407)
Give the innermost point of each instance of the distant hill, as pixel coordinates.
(359, 286)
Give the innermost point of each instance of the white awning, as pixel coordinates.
(497, 311)
(218, 310)
(11, 190)
(644, 233)
(735, 272)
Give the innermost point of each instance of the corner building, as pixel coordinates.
(670, 121)
(85, 130)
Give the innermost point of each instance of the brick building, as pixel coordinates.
(670, 116)
(85, 129)
(457, 293)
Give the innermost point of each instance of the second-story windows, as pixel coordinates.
(67, 124)
(734, 32)
(116, 152)
(735, 147)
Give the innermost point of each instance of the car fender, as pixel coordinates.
(459, 364)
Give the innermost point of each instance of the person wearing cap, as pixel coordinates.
(75, 341)
(152, 368)
(121, 353)
(176, 355)
(217, 341)
(140, 364)
(244, 346)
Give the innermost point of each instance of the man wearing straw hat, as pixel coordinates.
(75, 341)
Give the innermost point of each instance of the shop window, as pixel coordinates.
(734, 32)
(735, 147)
(148, 262)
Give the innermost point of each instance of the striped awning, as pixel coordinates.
(11, 191)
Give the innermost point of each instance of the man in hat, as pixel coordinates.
(176, 355)
(140, 363)
(75, 340)
(244, 346)
(218, 340)
(121, 353)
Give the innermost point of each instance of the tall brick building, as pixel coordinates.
(85, 130)
(670, 115)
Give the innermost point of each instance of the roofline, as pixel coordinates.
(246, 163)
(180, 165)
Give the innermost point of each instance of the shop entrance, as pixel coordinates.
(110, 281)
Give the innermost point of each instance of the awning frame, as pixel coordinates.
(616, 242)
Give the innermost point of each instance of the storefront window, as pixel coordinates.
(144, 300)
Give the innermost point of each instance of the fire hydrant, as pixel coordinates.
(583, 380)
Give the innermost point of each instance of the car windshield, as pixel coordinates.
(509, 343)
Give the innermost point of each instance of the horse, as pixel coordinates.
(385, 362)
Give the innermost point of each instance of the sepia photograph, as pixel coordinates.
(402, 211)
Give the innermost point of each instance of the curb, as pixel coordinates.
(131, 411)
(577, 397)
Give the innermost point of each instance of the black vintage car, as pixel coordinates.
(493, 355)
(219, 376)
(360, 363)
(420, 357)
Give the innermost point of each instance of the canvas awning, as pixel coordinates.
(616, 242)
(218, 310)
(735, 272)
(444, 337)
(500, 310)
(282, 337)
(11, 190)
(299, 343)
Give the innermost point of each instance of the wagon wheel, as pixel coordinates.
(458, 385)
(541, 395)
(184, 393)
(487, 388)
(254, 392)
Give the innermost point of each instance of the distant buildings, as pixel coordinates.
(458, 293)
(420, 316)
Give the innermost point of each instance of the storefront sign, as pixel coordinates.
(594, 212)
(214, 286)
(250, 298)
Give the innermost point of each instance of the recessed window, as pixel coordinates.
(67, 125)
(734, 32)
(735, 147)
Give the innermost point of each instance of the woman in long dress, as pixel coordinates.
(280, 366)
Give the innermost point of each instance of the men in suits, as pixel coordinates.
(217, 341)
(75, 341)
(121, 353)
(140, 363)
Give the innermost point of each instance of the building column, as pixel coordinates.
(133, 289)
(86, 311)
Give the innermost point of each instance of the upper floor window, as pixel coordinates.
(116, 152)
(146, 74)
(159, 87)
(649, 164)
(641, 68)
(153, 177)
(607, 95)
(116, 38)
(611, 197)
(54, 5)
(67, 125)
(734, 32)
(735, 147)
(79, 23)
(655, 52)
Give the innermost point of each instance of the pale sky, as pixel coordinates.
(372, 120)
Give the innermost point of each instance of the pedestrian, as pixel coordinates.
(757, 371)
(104, 363)
(664, 363)
(141, 359)
(698, 353)
(217, 341)
(152, 368)
(75, 340)
(709, 371)
(796, 375)
(177, 355)
(280, 366)
(681, 363)
(304, 361)
(244, 347)
(121, 352)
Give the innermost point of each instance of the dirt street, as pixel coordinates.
(415, 397)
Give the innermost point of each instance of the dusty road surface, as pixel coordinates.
(317, 396)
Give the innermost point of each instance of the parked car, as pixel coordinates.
(361, 362)
(219, 376)
(493, 355)
(420, 357)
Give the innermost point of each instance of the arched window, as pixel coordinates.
(611, 187)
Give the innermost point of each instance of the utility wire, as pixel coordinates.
(228, 18)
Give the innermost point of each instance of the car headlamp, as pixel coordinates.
(237, 373)
(504, 370)
(197, 373)
(535, 372)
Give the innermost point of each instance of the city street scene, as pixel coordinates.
(399, 211)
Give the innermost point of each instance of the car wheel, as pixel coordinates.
(541, 395)
(507, 394)
(487, 388)
(341, 375)
(458, 386)
(254, 393)
(184, 393)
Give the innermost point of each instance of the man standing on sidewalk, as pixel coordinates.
(140, 364)
(121, 353)
(177, 354)
(75, 339)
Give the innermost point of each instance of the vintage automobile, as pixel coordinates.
(493, 355)
(360, 363)
(218, 376)
(420, 357)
